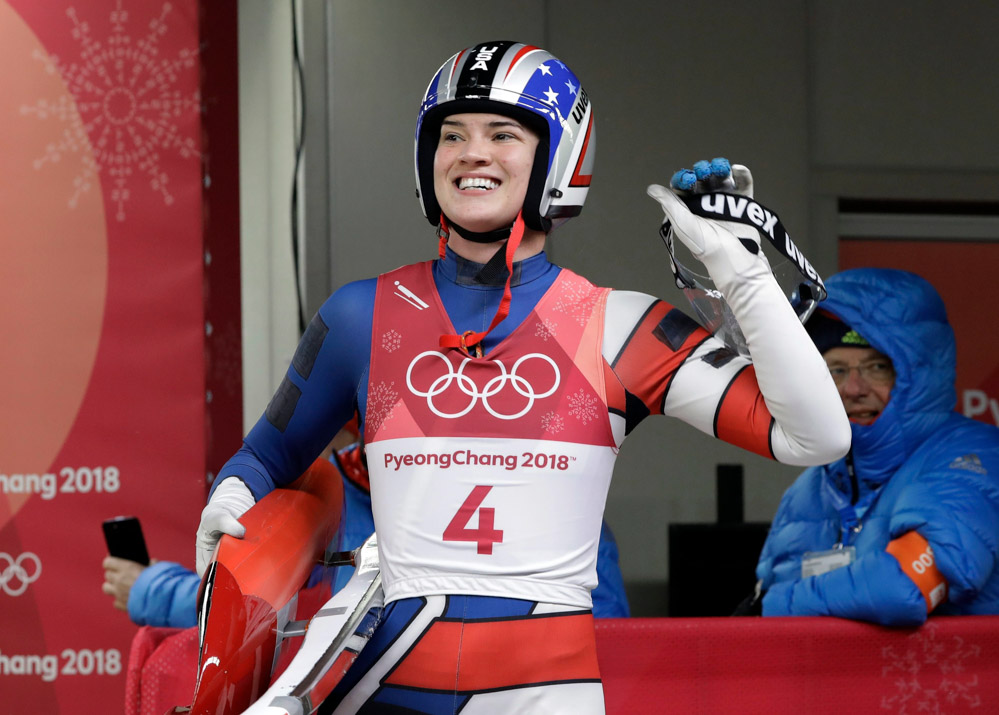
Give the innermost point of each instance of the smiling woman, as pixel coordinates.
(481, 171)
(528, 378)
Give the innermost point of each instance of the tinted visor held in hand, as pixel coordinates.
(795, 275)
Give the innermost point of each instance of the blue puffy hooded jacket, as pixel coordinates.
(920, 466)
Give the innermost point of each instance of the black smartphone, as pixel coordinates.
(123, 535)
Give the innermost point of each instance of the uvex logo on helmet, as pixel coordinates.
(579, 109)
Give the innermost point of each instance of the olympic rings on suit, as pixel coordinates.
(13, 569)
(467, 385)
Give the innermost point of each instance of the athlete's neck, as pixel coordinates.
(531, 244)
(464, 272)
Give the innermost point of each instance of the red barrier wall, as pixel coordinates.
(765, 666)
(799, 665)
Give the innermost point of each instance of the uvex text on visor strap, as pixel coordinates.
(724, 206)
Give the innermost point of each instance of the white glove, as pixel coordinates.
(726, 248)
(230, 500)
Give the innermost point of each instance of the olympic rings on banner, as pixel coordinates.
(13, 570)
(491, 388)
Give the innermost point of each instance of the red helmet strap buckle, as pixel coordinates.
(470, 339)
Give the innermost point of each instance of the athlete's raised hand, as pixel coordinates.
(727, 248)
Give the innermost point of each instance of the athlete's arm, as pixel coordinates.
(317, 396)
(663, 362)
(787, 382)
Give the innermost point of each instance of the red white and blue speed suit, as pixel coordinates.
(489, 475)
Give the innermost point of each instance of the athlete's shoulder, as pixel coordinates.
(350, 302)
(352, 305)
(625, 303)
(626, 310)
(353, 292)
(567, 274)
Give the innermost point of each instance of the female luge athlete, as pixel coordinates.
(494, 352)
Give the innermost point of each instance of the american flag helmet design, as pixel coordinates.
(535, 88)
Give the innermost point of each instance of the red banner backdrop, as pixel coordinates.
(103, 369)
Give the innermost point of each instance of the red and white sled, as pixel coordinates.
(249, 598)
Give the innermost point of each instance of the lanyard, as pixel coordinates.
(852, 511)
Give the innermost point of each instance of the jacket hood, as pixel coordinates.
(901, 315)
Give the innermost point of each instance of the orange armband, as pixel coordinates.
(915, 556)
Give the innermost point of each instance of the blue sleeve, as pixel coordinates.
(873, 588)
(324, 385)
(165, 594)
(609, 597)
(956, 510)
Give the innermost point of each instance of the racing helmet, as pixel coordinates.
(530, 85)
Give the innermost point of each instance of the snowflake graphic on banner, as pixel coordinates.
(381, 403)
(546, 329)
(577, 301)
(129, 103)
(930, 675)
(583, 407)
(391, 341)
(552, 422)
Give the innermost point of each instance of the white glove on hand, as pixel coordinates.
(724, 247)
(230, 500)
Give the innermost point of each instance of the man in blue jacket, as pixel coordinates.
(908, 522)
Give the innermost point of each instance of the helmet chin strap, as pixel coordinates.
(471, 340)
(499, 234)
(445, 225)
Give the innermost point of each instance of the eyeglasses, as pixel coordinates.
(875, 372)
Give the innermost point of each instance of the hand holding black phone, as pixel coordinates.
(123, 535)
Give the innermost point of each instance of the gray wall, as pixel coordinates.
(820, 99)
